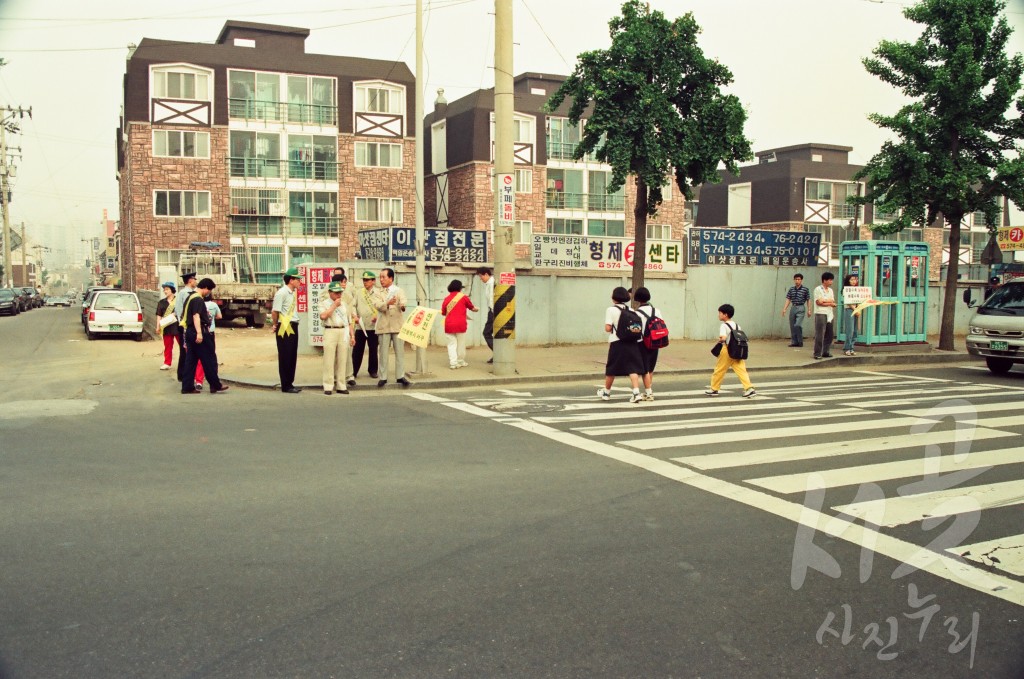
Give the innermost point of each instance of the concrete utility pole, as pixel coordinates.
(421, 255)
(24, 258)
(3, 203)
(504, 194)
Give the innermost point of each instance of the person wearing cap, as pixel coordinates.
(168, 332)
(199, 349)
(338, 335)
(286, 330)
(187, 290)
(390, 302)
(366, 326)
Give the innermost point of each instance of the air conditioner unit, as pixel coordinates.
(277, 209)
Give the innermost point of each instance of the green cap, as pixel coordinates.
(369, 276)
(294, 271)
(335, 287)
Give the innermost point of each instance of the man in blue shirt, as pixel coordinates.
(796, 303)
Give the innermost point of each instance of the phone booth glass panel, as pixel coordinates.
(897, 275)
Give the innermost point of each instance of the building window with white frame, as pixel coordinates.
(523, 231)
(387, 210)
(181, 203)
(181, 144)
(181, 82)
(378, 154)
(571, 227)
(659, 231)
(615, 228)
(379, 98)
(523, 180)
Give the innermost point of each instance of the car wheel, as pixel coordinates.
(137, 336)
(90, 334)
(999, 366)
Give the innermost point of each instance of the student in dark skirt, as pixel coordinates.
(623, 357)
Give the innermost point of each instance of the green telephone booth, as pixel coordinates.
(895, 272)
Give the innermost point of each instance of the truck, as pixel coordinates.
(250, 301)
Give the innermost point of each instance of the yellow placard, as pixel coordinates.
(1010, 238)
(416, 329)
(870, 303)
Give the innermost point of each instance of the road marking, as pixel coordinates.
(887, 471)
(1009, 551)
(654, 411)
(819, 450)
(611, 429)
(719, 437)
(938, 564)
(950, 391)
(898, 511)
(984, 392)
(936, 412)
(510, 392)
(903, 378)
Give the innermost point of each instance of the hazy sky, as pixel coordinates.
(797, 67)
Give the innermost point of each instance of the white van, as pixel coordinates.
(114, 311)
(996, 331)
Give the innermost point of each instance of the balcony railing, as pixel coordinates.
(283, 169)
(292, 226)
(843, 210)
(594, 202)
(313, 114)
(561, 150)
(313, 226)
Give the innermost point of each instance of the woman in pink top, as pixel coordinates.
(454, 309)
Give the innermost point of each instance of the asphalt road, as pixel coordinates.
(469, 533)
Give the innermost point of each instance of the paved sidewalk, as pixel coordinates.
(249, 357)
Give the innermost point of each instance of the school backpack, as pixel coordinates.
(655, 331)
(738, 346)
(629, 327)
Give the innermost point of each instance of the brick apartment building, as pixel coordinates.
(253, 143)
(805, 187)
(554, 193)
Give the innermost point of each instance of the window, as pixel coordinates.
(311, 100)
(573, 227)
(380, 98)
(523, 231)
(739, 205)
(690, 211)
(819, 190)
(606, 227)
(379, 210)
(522, 129)
(267, 259)
(310, 255)
(563, 138)
(177, 144)
(255, 154)
(313, 213)
(264, 202)
(598, 196)
(374, 154)
(565, 189)
(659, 231)
(523, 181)
(181, 82)
(312, 157)
(181, 203)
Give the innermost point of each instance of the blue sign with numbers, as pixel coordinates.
(398, 244)
(746, 247)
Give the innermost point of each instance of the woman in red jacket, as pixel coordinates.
(454, 309)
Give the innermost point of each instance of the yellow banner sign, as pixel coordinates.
(416, 329)
(1010, 238)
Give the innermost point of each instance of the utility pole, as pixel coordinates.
(421, 233)
(7, 124)
(504, 194)
(24, 258)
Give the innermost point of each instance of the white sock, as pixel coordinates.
(649, 391)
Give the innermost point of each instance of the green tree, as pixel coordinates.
(958, 150)
(658, 111)
(45, 276)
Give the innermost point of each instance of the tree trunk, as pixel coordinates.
(639, 235)
(949, 299)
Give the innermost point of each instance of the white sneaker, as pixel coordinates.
(454, 366)
(636, 397)
(749, 392)
(711, 392)
(462, 364)
(648, 396)
(604, 394)
(165, 367)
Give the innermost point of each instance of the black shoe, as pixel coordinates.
(343, 391)
(189, 392)
(328, 392)
(291, 390)
(351, 383)
(381, 383)
(826, 355)
(490, 360)
(817, 358)
(220, 390)
(373, 376)
(404, 382)
(794, 345)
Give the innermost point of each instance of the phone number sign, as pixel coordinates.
(398, 244)
(602, 254)
(747, 247)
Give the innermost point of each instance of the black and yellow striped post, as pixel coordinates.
(504, 311)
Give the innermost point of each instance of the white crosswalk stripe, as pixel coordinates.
(1008, 553)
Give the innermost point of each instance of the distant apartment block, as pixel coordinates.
(279, 155)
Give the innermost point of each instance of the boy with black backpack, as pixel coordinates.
(732, 353)
(655, 337)
(625, 331)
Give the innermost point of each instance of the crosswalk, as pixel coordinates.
(933, 448)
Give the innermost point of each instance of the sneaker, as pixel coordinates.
(604, 394)
(636, 397)
(463, 364)
(648, 396)
(711, 392)
(165, 367)
(453, 366)
(749, 392)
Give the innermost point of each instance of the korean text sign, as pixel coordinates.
(602, 254)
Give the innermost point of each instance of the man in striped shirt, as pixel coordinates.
(796, 303)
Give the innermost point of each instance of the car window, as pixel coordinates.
(123, 301)
(1007, 297)
(6, 293)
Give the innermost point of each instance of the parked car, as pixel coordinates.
(996, 331)
(87, 300)
(57, 301)
(114, 312)
(24, 299)
(10, 303)
(35, 297)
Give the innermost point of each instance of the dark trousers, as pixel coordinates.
(204, 353)
(362, 340)
(181, 353)
(823, 335)
(489, 329)
(287, 356)
(796, 328)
